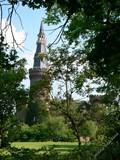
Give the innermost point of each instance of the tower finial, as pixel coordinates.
(41, 28)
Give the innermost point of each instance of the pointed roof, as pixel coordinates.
(41, 32)
(41, 48)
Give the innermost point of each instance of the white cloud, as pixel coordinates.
(19, 36)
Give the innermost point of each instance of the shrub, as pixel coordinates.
(19, 154)
(89, 128)
(26, 133)
(85, 152)
(30, 154)
(53, 128)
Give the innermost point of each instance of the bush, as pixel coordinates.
(10, 131)
(85, 152)
(26, 133)
(19, 154)
(89, 128)
(54, 128)
(30, 154)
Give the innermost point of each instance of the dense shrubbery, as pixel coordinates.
(54, 128)
(46, 154)
(85, 152)
(18, 154)
(30, 154)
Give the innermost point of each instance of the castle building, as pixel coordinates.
(39, 72)
(39, 78)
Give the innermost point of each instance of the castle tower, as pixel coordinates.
(39, 71)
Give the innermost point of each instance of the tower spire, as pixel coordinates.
(40, 60)
(41, 32)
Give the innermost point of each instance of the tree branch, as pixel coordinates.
(58, 38)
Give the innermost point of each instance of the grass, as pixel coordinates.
(59, 146)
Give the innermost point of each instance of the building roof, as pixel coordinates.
(40, 58)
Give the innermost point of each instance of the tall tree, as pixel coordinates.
(12, 72)
(65, 69)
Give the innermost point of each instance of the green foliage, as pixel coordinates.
(48, 153)
(98, 25)
(12, 129)
(74, 114)
(10, 86)
(85, 152)
(112, 123)
(57, 130)
(24, 154)
(12, 72)
(21, 154)
(40, 86)
(26, 133)
(51, 129)
(63, 63)
(38, 103)
(89, 128)
(110, 152)
(37, 112)
(9, 131)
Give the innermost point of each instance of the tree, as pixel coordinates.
(12, 72)
(65, 69)
(97, 23)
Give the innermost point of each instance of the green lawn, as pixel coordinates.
(60, 146)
